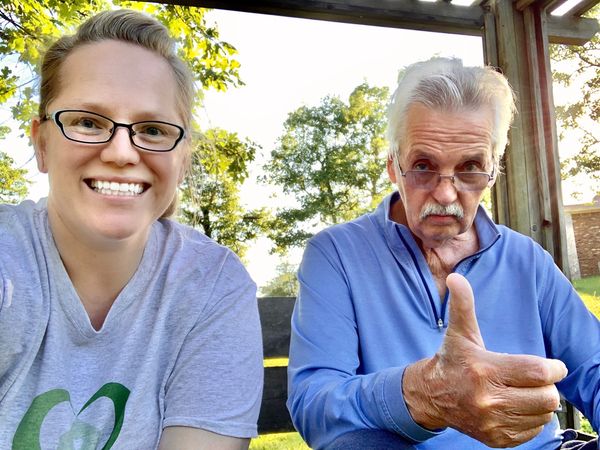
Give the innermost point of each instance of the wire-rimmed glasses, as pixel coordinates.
(462, 181)
(92, 128)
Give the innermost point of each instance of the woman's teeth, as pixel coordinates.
(114, 188)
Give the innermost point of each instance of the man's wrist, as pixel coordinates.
(418, 382)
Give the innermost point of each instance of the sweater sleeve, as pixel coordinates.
(572, 335)
(327, 395)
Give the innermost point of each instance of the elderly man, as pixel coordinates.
(424, 325)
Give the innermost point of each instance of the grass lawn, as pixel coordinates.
(588, 288)
(278, 441)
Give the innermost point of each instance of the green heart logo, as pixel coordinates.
(27, 436)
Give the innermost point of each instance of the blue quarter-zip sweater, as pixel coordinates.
(368, 307)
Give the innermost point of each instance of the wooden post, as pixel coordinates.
(528, 197)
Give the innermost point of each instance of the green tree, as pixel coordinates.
(13, 184)
(581, 116)
(210, 198)
(28, 26)
(331, 159)
(284, 284)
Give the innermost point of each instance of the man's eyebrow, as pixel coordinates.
(421, 154)
(473, 155)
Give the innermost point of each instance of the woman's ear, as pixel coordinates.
(186, 164)
(39, 144)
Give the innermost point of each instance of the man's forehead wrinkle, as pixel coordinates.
(425, 153)
(478, 134)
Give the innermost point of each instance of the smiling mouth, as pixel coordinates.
(114, 188)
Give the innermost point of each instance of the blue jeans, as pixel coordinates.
(370, 440)
(384, 440)
(572, 441)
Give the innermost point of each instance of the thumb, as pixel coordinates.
(462, 321)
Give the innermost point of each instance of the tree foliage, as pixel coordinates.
(13, 184)
(27, 27)
(210, 198)
(284, 284)
(331, 159)
(582, 115)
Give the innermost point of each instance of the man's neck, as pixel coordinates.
(443, 258)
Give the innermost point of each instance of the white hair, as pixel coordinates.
(445, 84)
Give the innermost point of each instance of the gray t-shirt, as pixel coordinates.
(181, 345)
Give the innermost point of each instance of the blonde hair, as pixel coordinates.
(445, 84)
(125, 26)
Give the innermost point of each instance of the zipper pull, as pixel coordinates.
(440, 324)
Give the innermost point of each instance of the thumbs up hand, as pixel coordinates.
(499, 399)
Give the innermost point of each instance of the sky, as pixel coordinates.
(287, 63)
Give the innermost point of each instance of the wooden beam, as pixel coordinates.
(581, 8)
(520, 5)
(500, 202)
(543, 135)
(549, 5)
(441, 17)
(518, 210)
(571, 30)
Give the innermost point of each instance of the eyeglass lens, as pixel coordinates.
(467, 181)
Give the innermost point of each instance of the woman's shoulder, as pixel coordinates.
(12, 211)
(21, 219)
(197, 260)
(188, 243)
(193, 239)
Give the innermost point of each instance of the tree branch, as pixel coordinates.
(16, 24)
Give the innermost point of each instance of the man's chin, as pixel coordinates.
(440, 235)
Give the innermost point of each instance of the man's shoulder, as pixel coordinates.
(363, 225)
(516, 239)
(521, 250)
(350, 238)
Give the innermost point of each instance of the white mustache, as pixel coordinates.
(438, 210)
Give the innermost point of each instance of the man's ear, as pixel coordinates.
(39, 144)
(391, 170)
(496, 171)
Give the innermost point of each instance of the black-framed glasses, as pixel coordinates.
(91, 128)
(462, 181)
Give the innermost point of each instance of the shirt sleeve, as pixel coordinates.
(573, 336)
(326, 396)
(2, 288)
(217, 380)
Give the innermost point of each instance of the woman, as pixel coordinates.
(118, 327)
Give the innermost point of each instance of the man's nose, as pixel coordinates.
(445, 192)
